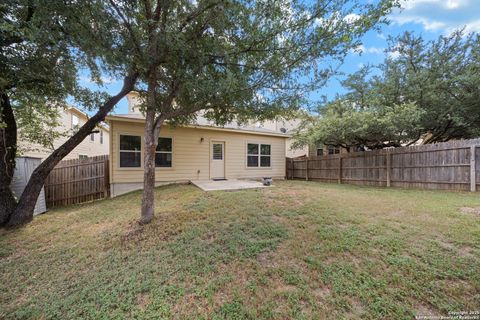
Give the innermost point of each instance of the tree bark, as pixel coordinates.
(151, 133)
(148, 199)
(23, 212)
(8, 149)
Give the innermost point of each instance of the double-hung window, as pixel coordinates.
(258, 155)
(130, 151)
(163, 154)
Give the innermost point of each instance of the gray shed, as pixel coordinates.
(23, 171)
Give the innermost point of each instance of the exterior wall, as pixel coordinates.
(294, 153)
(288, 126)
(313, 151)
(86, 147)
(191, 156)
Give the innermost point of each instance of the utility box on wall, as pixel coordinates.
(23, 170)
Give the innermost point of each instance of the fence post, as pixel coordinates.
(339, 168)
(106, 176)
(306, 169)
(389, 167)
(473, 178)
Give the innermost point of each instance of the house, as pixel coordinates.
(288, 127)
(278, 125)
(71, 119)
(200, 151)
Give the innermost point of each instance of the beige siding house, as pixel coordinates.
(94, 145)
(194, 152)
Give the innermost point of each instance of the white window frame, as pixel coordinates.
(259, 155)
(171, 152)
(120, 151)
(223, 151)
(92, 137)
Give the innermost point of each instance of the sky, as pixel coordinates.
(428, 18)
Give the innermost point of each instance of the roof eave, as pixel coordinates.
(196, 126)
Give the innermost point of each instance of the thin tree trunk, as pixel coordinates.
(23, 212)
(8, 148)
(150, 144)
(147, 211)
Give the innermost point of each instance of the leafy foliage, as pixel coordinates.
(342, 125)
(427, 90)
(239, 59)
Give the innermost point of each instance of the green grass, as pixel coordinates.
(298, 250)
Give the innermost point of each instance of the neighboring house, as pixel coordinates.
(201, 151)
(288, 127)
(71, 119)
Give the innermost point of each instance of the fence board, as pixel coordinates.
(450, 165)
(78, 180)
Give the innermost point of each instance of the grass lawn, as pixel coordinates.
(299, 250)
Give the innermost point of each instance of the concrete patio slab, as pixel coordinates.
(210, 185)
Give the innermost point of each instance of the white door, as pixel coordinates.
(217, 162)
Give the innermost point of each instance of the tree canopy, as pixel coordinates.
(235, 60)
(43, 47)
(424, 91)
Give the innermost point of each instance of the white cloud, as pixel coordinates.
(440, 15)
(351, 18)
(373, 50)
(393, 54)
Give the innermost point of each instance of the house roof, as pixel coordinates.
(203, 123)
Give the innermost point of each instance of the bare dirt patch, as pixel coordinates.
(266, 260)
(143, 300)
(475, 211)
(421, 309)
(321, 293)
(134, 232)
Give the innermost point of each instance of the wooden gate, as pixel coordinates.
(77, 181)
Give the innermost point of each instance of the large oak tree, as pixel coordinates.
(234, 59)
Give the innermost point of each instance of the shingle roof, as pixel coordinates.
(206, 124)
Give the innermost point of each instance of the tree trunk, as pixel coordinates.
(147, 211)
(23, 212)
(8, 149)
(151, 133)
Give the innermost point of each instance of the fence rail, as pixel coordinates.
(78, 180)
(450, 165)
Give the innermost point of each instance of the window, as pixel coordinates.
(82, 156)
(130, 151)
(319, 152)
(75, 124)
(333, 150)
(163, 154)
(217, 153)
(101, 136)
(258, 155)
(92, 136)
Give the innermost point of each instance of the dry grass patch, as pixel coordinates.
(299, 250)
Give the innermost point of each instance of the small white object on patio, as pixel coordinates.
(234, 184)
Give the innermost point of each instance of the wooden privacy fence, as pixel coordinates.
(77, 181)
(450, 165)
